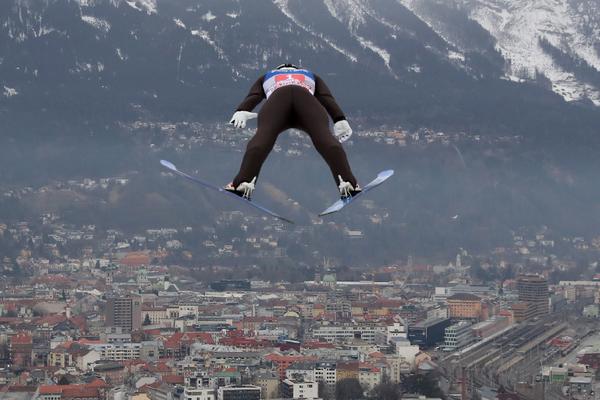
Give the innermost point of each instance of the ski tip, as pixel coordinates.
(386, 174)
(168, 164)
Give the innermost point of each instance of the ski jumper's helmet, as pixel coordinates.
(282, 66)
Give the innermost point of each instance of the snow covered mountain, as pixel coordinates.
(75, 74)
(558, 38)
(422, 61)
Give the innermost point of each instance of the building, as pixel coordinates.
(148, 351)
(199, 393)
(533, 289)
(283, 362)
(299, 389)
(124, 312)
(458, 335)
(154, 315)
(429, 332)
(393, 332)
(344, 332)
(522, 311)
(319, 371)
(111, 372)
(369, 376)
(242, 392)
(581, 387)
(198, 388)
(477, 290)
(95, 390)
(465, 306)
(347, 370)
(21, 346)
(269, 384)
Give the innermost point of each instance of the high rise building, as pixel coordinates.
(533, 289)
(124, 312)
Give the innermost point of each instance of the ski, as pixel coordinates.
(171, 167)
(338, 205)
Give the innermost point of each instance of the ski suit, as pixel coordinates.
(294, 99)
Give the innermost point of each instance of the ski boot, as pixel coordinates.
(347, 190)
(243, 190)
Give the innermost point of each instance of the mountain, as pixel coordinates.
(88, 88)
(419, 62)
(557, 38)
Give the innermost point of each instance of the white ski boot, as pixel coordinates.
(244, 189)
(346, 189)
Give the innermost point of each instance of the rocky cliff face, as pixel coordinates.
(557, 38)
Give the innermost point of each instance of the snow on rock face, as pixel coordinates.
(206, 37)
(149, 6)
(353, 13)
(97, 23)
(179, 23)
(519, 24)
(92, 3)
(120, 54)
(284, 7)
(9, 92)
(209, 16)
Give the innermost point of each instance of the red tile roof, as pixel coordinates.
(21, 338)
(135, 259)
(51, 320)
(99, 383)
(160, 366)
(173, 379)
(80, 322)
(77, 391)
(80, 393)
(179, 338)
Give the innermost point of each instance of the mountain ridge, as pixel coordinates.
(181, 58)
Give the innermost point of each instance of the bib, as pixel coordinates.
(288, 76)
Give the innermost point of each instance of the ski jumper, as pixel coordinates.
(298, 99)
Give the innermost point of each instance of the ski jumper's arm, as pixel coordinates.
(254, 97)
(327, 100)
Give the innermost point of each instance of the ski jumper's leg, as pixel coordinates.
(273, 118)
(313, 119)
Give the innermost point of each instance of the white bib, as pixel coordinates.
(288, 76)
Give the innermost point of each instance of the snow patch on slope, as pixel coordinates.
(120, 54)
(179, 23)
(149, 6)
(209, 16)
(518, 26)
(206, 37)
(283, 6)
(97, 23)
(9, 92)
(413, 6)
(92, 3)
(354, 13)
(383, 53)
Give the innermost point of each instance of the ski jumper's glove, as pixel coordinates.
(239, 118)
(342, 130)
